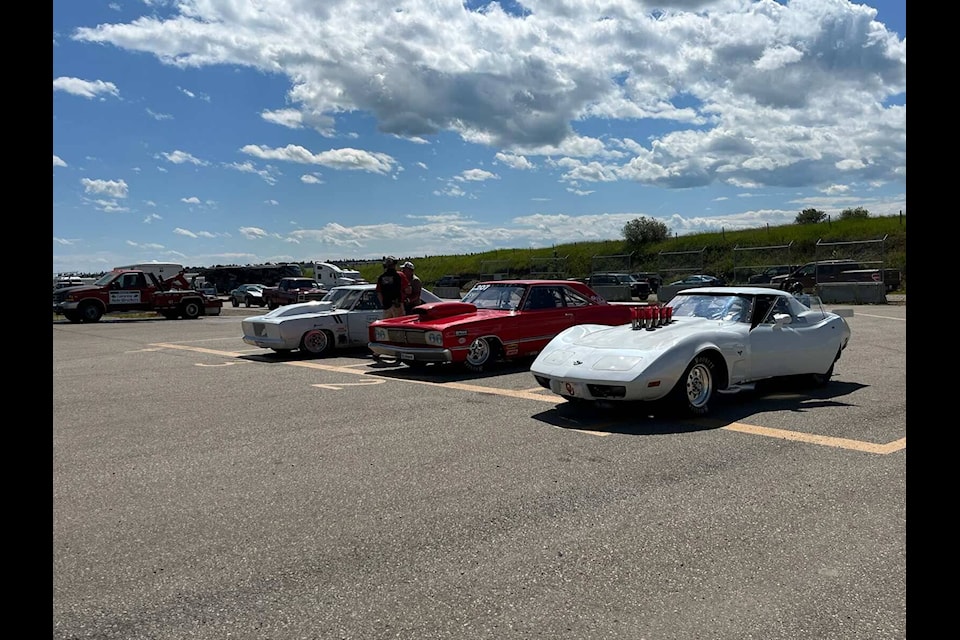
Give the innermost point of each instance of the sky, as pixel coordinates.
(215, 132)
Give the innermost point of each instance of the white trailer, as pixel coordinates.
(330, 275)
(162, 270)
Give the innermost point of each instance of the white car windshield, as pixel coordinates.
(342, 298)
(731, 308)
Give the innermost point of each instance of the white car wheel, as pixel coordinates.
(694, 390)
(316, 342)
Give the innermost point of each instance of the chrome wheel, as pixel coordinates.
(480, 354)
(699, 385)
(694, 390)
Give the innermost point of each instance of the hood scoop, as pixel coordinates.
(438, 310)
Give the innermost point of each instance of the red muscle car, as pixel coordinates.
(496, 320)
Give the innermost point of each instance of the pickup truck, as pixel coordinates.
(134, 290)
(290, 290)
(806, 277)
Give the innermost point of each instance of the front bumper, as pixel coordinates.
(411, 354)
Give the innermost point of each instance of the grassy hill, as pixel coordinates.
(876, 241)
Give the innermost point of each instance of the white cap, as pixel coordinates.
(407, 265)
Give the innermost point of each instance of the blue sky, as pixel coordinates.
(237, 132)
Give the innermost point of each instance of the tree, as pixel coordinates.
(849, 214)
(810, 216)
(644, 230)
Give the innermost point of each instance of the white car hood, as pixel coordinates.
(620, 352)
(624, 337)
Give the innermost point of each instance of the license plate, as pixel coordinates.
(406, 356)
(571, 389)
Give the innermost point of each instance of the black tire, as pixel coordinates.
(191, 309)
(90, 311)
(694, 391)
(247, 302)
(72, 316)
(481, 354)
(234, 303)
(272, 306)
(317, 342)
(821, 379)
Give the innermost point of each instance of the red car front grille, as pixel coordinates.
(402, 336)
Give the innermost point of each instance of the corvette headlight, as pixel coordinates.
(434, 338)
(380, 334)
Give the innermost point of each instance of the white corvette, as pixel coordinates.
(339, 320)
(712, 339)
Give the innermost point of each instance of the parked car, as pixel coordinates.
(248, 295)
(318, 327)
(496, 320)
(652, 279)
(699, 280)
(717, 339)
(765, 276)
(638, 289)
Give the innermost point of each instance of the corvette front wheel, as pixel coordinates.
(694, 390)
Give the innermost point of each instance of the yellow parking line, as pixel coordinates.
(534, 394)
(828, 441)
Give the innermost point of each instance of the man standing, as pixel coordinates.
(391, 288)
(412, 299)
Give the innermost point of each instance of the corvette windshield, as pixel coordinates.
(732, 308)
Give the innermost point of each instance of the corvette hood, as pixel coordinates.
(623, 337)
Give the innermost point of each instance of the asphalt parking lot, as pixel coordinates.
(204, 488)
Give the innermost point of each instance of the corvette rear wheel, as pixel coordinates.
(481, 354)
(694, 390)
(316, 342)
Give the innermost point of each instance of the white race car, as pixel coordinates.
(707, 339)
(339, 320)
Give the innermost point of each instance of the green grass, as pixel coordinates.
(726, 252)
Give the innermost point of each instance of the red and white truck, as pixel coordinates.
(290, 290)
(135, 290)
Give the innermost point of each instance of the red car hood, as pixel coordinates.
(438, 315)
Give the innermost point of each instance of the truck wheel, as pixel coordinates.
(90, 311)
(272, 305)
(72, 316)
(316, 342)
(190, 309)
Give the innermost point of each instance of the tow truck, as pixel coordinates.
(134, 290)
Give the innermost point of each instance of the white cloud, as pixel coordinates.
(181, 157)
(114, 188)
(85, 88)
(57, 162)
(350, 159)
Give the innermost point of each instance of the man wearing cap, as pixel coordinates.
(412, 298)
(392, 288)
